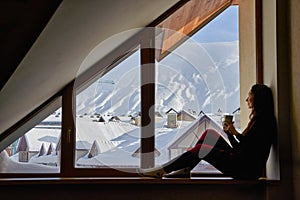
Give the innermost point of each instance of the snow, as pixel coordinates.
(129, 142)
(10, 166)
(39, 136)
(195, 77)
(52, 160)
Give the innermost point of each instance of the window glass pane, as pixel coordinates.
(196, 83)
(37, 151)
(107, 118)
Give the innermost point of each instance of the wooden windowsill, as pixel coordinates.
(133, 180)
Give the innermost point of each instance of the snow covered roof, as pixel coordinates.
(195, 130)
(103, 133)
(112, 143)
(52, 160)
(23, 144)
(125, 154)
(36, 137)
(42, 151)
(171, 110)
(184, 115)
(137, 153)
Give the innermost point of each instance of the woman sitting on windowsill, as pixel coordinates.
(246, 158)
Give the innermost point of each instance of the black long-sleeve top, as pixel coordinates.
(254, 147)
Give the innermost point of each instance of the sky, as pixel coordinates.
(224, 28)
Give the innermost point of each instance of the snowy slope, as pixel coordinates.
(10, 166)
(193, 77)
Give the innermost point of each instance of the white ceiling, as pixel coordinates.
(62, 49)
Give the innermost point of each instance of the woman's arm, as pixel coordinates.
(231, 131)
(233, 141)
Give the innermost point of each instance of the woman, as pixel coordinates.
(246, 157)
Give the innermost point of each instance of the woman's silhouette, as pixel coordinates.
(246, 157)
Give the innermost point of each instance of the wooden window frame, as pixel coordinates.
(67, 168)
(27, 123)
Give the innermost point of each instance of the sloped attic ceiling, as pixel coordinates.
(57, 55)
(21, 22)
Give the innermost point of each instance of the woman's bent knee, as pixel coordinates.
(208, 133)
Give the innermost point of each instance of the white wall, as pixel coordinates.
(247, 54)
(270, 72)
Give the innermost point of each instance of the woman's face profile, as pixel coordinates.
(250, 99)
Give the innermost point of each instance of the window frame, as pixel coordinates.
(27, 123)
(67, 168)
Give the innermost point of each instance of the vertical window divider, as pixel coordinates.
(68, 131)
(259, 43)
(148, 98)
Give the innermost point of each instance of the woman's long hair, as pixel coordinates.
(263, 105)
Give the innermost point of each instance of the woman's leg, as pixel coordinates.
(209, 140)
(216, 151)
(186, 160)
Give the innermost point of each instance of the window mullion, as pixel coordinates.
(258, 39)
(147, 99)
(68, 131)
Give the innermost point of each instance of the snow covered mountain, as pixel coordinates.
(194, 77)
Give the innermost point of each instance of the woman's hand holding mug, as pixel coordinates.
(228, 126)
